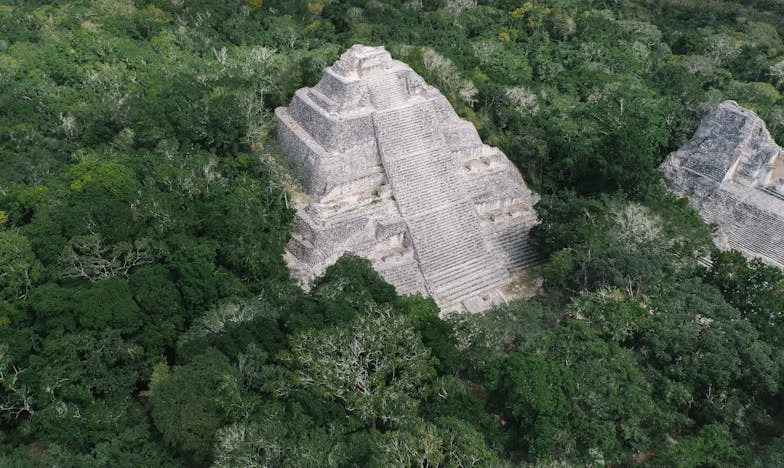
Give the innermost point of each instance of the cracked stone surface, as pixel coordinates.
(391, 173)
(732, 172)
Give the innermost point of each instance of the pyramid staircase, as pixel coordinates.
(444, 227)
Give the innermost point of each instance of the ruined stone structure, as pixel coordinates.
(733, 174)
(391, 173)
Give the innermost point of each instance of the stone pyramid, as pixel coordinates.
(391, 173)
(732, 172)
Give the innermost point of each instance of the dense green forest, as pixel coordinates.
(147, 317)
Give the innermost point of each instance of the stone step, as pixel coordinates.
(750, 233)
(749, 171)
(751, 245)
(443, 275)
(399, 148)
(301, 248)
(323, 101)
(757, 240)
(776, 190)
(450, 247)
(414, 117)
(383, 100)
(710, 213)
(427, 175)
(515, 249)
(406, 278)
(446, 236)
(386, 90)
(443, 223)
(523, 257)
(407, 144)
(469, 282)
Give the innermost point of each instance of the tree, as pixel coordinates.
(161, 306)
(337, 297)
(711, 447)
(705, 360)
(192, 402)
(89, 257)
(534, 393)
(19, 267)
(16, 398)
(376, 366)
(575, 398)
(483, 338)
(616, 317)
(437, 334)
(277, 435)
(93, 306)
(449, 442)
(755, 289)
(457, 399)
(107, 303)
(83, 383)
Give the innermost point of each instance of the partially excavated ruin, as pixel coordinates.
(733, 174)
(391, 173)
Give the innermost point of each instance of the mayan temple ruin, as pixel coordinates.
(732, 172)
(392, 174)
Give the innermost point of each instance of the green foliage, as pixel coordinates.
(455, 399)
(712, 446)
(192, 402)
(82, 385)
(577, 398)
(614, 409)
(614, 316)
(353, 280)
(605, 242)
(19, 268)
(376, 365)
(143, 215)
(450, 442)
(161, 305)
(705, 359)
(437, 334)
(482, 338)
(755, 289)
(557, 270)
(613, 145)
(340, 293)
(106, 303)
(276, 436)
(231, 326)
(566, 220)
(534, 393)
(503, 64)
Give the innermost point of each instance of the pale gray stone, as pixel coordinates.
(391, 173)
(732, 172)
